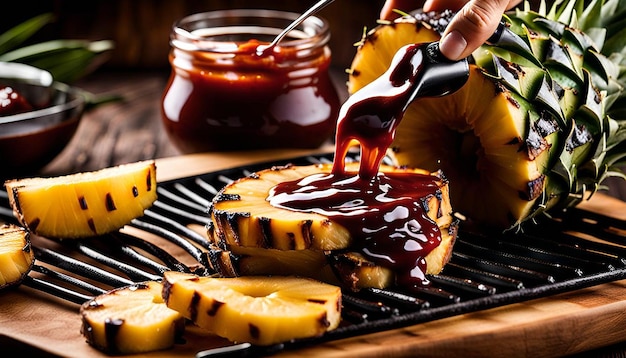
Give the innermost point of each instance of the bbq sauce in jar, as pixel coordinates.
(384, 212)
(223, 94)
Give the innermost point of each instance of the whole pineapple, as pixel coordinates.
(540, 122)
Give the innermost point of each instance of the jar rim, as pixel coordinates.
(200, 31)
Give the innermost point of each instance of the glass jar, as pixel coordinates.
(223, 94)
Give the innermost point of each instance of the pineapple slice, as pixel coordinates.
(348, 269)
(132, 319)
(243, 217)
(84, 204)
(16, 255)
(255, 309)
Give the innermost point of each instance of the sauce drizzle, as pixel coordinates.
(386, 213)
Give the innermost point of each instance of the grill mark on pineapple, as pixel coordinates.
(193, 306)
(291, 237)
(224, 263)
(33, 224)
(226, 197)
(91, 224)
(109, 202)
(214, 308)
(254, 331)
(18, 205)
(167, 288)
(82, 202)
(307, 233)
(323, 320)
(149, 180)
(266, 232)
(232, 219)
(111, 330)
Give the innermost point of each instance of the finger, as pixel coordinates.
(472, 26)
(387, 13)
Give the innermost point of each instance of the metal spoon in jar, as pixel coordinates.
(264, 49)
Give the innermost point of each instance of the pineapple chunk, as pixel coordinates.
(16, 255)
(84, 204)
(132, 319)
(255, 309)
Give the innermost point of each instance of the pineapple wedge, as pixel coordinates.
(16, 255)
(84, 204)
(255, 309)
(132, 319)
(242, 216)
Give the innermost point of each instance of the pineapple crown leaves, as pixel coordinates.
(572, 65)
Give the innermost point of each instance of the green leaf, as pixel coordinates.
(15, 36)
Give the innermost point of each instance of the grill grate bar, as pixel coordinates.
(486, 269)
(166, 194)
(530, 277)
(504, 283)
(56, 290)
(507, 257)
(131, 271)
(58, 276)
(71, 264)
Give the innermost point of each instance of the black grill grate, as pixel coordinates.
(486, 269)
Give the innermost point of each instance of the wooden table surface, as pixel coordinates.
(131, 130)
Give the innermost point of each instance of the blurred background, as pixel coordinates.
(140, 28)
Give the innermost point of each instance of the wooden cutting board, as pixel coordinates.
(558, 325)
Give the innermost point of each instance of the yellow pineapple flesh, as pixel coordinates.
(130, 320)
(245, 224)
(262, 310)
(84, 204)
(349, 269)
(536, 128)
(243, 217)
(473, 135)
(16, 255)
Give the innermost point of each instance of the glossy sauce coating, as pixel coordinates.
(384, 212)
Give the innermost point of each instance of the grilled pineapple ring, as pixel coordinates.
(16, 254)
(255, 309)
(83, 204)
(242, 216)
(132, 319)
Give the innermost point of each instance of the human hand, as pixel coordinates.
(474, 23)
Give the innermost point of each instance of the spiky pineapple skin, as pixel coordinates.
(556, 86)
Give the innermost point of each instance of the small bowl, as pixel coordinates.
(30, 140)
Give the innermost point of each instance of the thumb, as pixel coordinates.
(472, 26)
